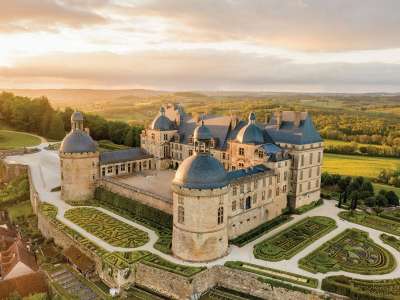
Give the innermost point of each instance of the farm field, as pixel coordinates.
(292, 240)
(13, 140)
(107, 228)
(350, 251)
(357, 165)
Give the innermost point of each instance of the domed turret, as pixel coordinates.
(161, 122)
(251, 133)
(77, 141)
(202, 133)
(79, 160)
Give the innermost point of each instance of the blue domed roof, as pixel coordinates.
(161, 122)
(78, 141)
(202, 133)
(200, 171)
(251, 133)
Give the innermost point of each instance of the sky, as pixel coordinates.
(223, 45)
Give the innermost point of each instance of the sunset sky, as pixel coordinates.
(265, 45)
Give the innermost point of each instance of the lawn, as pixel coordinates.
(379, 186)
(375, 222)
(352, 251)
(14, 140)
(357, 165)
(107, 228)
(292, 240)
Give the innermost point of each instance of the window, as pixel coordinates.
(223, 155)
(264, 182)
(242, 188)
(255, 184)
(165, 137)
(311, 158)
(241, 165)
(260, 154)
(302, 160)
(109, 169)
(255, 198)
(263, 195)
(153, 136)
(301, 175)
(277, 191)
(317, 183)
(284, 189)
(144, 164)
(181, 215)
(269, 194)
(278, 178)
(242, 203)
(241, 151)
(310, 173)
(318, 171)
(234, 190)
(270, 180)
(180, 200)
(285, 176)
(220, 215)
(190, 152)
(233, 205)
(122, 167)
(300, 188)
(103, 171)
(248, 186)
(319, 157)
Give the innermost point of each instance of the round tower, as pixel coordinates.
(79, 162)
(200, 191)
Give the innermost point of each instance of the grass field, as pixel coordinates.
(357, 165)
(378, 187)
(14, 140)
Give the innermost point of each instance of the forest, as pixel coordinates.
(38, 116)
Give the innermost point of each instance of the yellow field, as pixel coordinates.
(356, 165)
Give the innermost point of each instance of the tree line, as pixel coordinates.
(38, 116)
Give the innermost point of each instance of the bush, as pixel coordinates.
(255, 233)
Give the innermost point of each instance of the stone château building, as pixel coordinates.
(231, 175)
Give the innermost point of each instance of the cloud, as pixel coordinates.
(314, 25)
(196, 70)
(48, 15)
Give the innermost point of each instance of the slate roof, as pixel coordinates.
(236, 174)
(288, 133)
(78, 141)
(130, 154)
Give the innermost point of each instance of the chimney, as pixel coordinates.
(297, 118)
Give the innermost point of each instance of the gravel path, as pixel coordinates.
(44, 166)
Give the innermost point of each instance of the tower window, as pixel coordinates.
(241, 151)
(181, 215)
(302, 160)
(234, 191)
(220, 215)
(311, 158)
(233, 205)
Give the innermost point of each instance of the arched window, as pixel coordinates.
(181, 215)
(220, 215)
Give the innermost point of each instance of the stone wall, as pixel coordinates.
(134, 193)
(10, 171)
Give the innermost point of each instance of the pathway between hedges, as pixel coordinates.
(45, 171)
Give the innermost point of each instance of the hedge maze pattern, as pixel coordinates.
(292, 240)
(350, 251)
(362, 289)
(107, 228)
(375, 222)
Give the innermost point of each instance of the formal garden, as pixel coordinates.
(362, 289)
(118, 260)
(352, 251)
(393, 214)
(266, 274)
(292, 240)
(391, 241)
(372, 221)
(107, 228)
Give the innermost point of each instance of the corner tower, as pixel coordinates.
(79, 162)
(200, 196)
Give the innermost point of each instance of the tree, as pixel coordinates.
(381, 200)
(344, 183)
(370, 201)
(56, 131)
(392, 198)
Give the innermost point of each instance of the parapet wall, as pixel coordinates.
(134, 193)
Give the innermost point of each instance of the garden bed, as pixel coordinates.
(393, 215)
(371, 221)
(350, 251)
(107, 228)
(391, 241)
(265, 272)
(362, 289)
(292, 240)
(255, 233)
